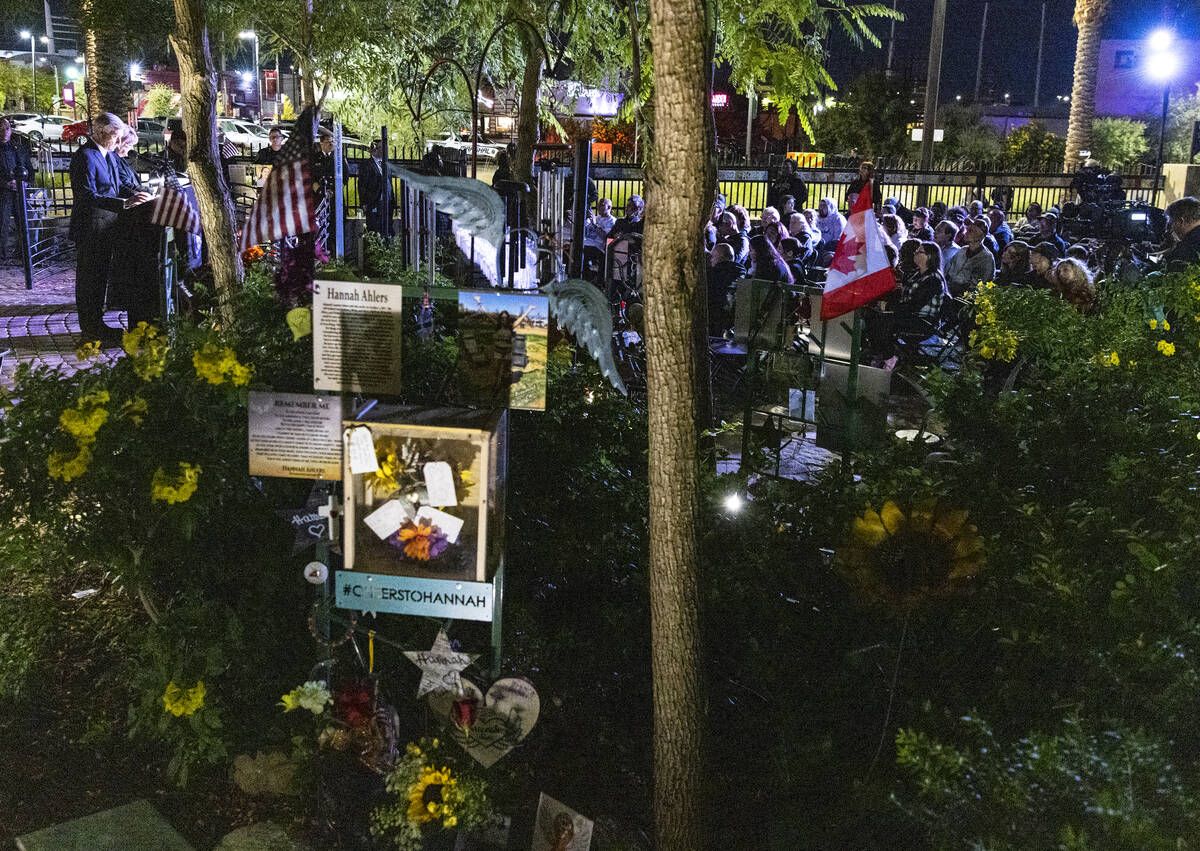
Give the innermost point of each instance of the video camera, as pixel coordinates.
(1123, 221)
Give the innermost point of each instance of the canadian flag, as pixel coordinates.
(860, 271)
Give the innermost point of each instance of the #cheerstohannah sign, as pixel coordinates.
(412, 595)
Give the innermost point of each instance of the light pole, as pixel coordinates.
(32, 62)
(1161, 64)
(257, 88)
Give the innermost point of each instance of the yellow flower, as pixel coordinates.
(1166, 325)
(147, 348)
(67, 468)
(1166, 348)
(901, 559)
(216, 364)
(180, 701)
(425, 795)
(88, 351)
(85, 419)
(134, 410)
(1153, 324)
(178, 488)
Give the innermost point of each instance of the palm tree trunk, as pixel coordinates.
(107, 81)
(1089, 18)
(198, 84)
(680, 185)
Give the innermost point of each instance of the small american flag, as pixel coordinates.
(172, 208)
(228, 149)
(286, 204)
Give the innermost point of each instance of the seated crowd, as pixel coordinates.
(939, 254)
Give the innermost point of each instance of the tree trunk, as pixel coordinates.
(107, 81)
(1089, 17)
(198, 86)
(528, 121)
(680, 184)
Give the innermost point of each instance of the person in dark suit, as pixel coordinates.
(270, 154)
(95, 183)
(370, 188)
(15, 168)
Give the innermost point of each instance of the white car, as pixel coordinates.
(245, 135)
(43, 127)
(487, 150)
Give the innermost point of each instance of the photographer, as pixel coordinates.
(1183, 223)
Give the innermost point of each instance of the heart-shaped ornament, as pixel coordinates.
(505, 716)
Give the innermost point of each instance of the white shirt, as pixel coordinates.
(948, 255)
(595, 230)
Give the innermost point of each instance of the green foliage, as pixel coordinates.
(1034, 148)
(1075, 788)
(1182, 115)
(782, 44)
(160, 101)
(16, 88)
(870, 119)
(1118, 141)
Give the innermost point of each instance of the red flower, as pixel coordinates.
(464, 712)
(352, 703)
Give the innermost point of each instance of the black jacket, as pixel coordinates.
(1186, 251)
(96, 187)
(370, 185)
(14, 160)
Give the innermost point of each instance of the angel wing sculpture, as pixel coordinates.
(581, 308)
(476, 207)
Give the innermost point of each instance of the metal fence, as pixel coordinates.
(749, 186)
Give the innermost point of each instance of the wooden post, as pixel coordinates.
(933, 82)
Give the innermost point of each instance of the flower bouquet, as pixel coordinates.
(354, 718)
(431, 799)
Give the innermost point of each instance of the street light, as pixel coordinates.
(257, 89)
(32, 64)
(1161, 64)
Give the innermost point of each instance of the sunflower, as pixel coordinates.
(428, 795)
(901, 560)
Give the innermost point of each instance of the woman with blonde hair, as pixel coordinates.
(1073, 283)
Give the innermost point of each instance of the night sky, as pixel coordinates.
(1011, 43)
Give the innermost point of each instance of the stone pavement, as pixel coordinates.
(39, 326)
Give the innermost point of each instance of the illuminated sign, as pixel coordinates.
(720, 99)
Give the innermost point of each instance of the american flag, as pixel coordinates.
(172, 208)
(286, 204)
(228, 149)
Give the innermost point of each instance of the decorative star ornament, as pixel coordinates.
(440, 666)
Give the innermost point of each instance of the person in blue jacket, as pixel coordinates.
(97, 201)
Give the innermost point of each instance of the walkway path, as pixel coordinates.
(39, 326)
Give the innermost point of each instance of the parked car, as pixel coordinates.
(488, 149)
(151, 130)
(17, 117)
(245, 135)
(43, 127)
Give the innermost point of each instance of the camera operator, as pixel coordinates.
(1183, 223)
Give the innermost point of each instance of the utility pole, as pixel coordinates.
(891, 43)
(1037, 77)
(979, 61)
(751, 102)
(933, 79)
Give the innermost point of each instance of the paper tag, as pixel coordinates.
(448, 523)
(389, 517)
(439, 482)
(362, 451)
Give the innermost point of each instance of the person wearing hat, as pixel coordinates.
(1048, 232)
(974, 264)
(920, 225)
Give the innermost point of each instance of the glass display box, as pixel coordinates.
(434, 509)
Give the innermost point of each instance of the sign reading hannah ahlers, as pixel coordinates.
(411, 595)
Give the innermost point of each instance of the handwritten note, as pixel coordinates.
(439, 482)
